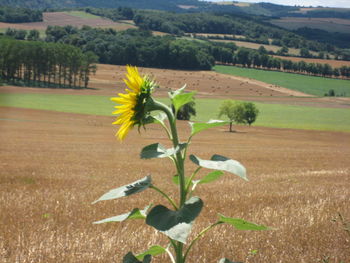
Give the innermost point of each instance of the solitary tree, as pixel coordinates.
(250, 112)
(227, 109)
(240, 112)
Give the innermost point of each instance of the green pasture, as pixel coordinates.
(82, 14)
(317, 86)
(271, 115)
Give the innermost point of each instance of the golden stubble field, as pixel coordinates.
(53, 165)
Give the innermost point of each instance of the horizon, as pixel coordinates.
(301, 3)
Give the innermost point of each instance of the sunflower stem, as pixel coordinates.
(180, 167)
(165, 195)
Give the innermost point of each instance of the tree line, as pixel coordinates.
(45, 64)
(260, 59)
(19, 15)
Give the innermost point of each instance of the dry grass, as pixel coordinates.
(53, 165)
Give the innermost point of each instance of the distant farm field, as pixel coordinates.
(332, 62)
(291, 51)
(328, 24)
(271, 115)
(73, 18)
(317, 86)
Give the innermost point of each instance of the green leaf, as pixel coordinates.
(181, 99)
(221, 163)
(175, 224)
(153, 251)
(198, 127)
(130, 258)
(241, 224)
(134, 214)
(211, 177)
(157, 150)
(173, 94)
(126, 190)
(225, 260)
(207, 179)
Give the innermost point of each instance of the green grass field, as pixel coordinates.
(271, 115)
(42, 33)
(82, 14)
(317, 86)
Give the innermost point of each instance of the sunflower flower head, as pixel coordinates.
(132, 109)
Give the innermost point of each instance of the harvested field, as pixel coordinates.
(328, 24)
(64, 19)
(292, 51)
(332, 62)
(53, 165)
(214, 35)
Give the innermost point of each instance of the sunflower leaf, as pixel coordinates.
(157, 150)
(174, 93)
(221, 163)
(241, 224)
(134, 214)
(198, 127)
(126, 190)
(153, 251)
(175, 224)
(181, 99)
(130, 258)
(213, 176)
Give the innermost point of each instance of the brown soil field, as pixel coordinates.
(207, 84)
(332, 62)
(214, 35)
(64, 19)
(53, 165)
(328, 24)
(292, 51)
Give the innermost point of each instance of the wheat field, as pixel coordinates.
(53, 165)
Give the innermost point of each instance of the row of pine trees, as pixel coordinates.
(45, 64)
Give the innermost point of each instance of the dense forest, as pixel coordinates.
(139, 47)
(19, 15)
(341, 40)
(45, 64)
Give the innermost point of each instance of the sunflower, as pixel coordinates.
(131, 110)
